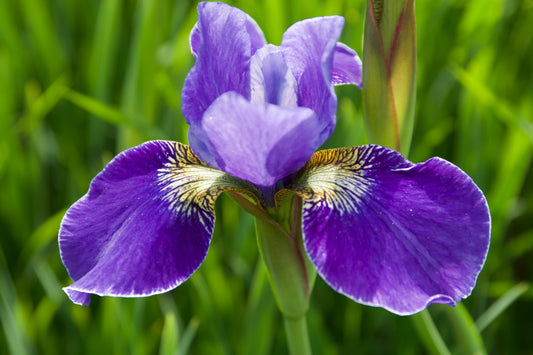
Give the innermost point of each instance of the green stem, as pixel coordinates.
(279, 238)
(286, 271)
(297, 337)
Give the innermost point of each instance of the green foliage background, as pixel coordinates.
(81, 81)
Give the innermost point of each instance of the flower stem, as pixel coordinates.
(279, 238)
(297, 337)
(289, 281)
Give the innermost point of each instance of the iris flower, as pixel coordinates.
(378, 228)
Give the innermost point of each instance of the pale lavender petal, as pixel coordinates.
(257, 38)
(271, 80)
(386, 232)
(258, 143)
(347, 67)
(308, 47)
(144, 226)
(199, 141)
(223, 40)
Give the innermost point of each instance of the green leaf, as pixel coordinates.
(169, 335)
(429, 334)
(465, 330)
(498, 307)
(260, 315)
(113, 115)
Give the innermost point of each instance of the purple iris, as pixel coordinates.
(378, 228)
(257, 111)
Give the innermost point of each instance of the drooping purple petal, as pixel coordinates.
(308, 47)
(223, 40)
(386, 232)
(258, 143)
(144, 226)
(347, 67)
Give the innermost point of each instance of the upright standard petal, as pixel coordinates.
(259, 143)
(271, 81)
(388, 233)
(144, 226)
(347, 67)
(308, 47)
(223, 40)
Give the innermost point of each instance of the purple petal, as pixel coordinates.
(223, 40)
(144, 226)
(388, 233)
(270, 78)
(347, 66)
(258, 143)
(308, 47)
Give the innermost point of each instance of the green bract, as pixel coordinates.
(389, 73)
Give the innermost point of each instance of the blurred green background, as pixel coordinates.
(81, 81)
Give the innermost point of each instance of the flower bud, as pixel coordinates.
(389, 72)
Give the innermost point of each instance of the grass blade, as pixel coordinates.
(465, 330)
(498, 307)
(429, 334)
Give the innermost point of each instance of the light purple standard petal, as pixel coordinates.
(258, 143)
(388, 233)
(223, 40)
(347, 67)
(308, 47)
(144, 226)
(271, 80)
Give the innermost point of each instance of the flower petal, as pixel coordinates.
(388, 233)
(144, 226)
(308, 47)
(347, 67)
(271, 80)
(258, 143)
(223, 40)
